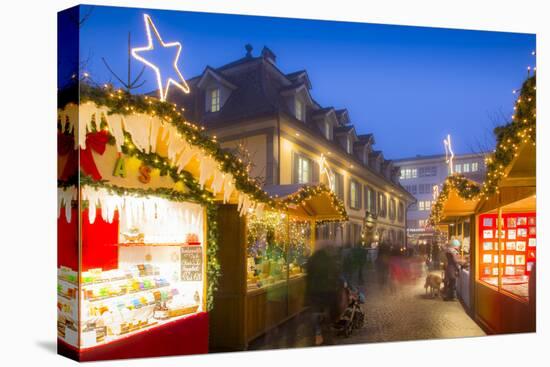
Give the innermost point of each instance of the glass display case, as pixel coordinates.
(152, 271)
(271, 257)
(507, 252)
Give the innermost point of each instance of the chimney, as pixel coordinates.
(248, 47)
(268, 55)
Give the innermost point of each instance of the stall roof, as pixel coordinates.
(312, 201)
(456, 206)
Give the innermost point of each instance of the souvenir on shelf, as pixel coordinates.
(487, 259)
(511, 222)
(510, 246)
(487, 246)
(520, 259)
(532, 242)
(487, 222)
(520, 245)
(509, 259)
(532, 221)
(522, 232)
(488, 233)
(511, 234)
(532, 231)
(522, 221)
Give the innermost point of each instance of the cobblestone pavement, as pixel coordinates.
(401, 314)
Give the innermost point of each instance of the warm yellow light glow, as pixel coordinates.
(163, 90)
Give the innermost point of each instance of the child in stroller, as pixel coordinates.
(353, 316)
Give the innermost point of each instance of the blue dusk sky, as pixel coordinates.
(410, 86)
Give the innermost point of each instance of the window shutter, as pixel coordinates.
(359, 195)
(315, 174)
(294, 174)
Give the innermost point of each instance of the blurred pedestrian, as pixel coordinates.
(451, 275)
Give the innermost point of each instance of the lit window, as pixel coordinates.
(304, 170)
(475, 167)
(299, 109)
(215, 100)
(349, 146)
(458, 168)
(422, 223)
(466, 167)
(414, 173)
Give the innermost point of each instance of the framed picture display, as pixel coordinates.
(520, 270)
(511, 234)
(522, 221)
(495, 271)
(520, 259)
(512, 222)
(520, 246)
(522, 232)
(532, 231)
(502, 233)
(486, 270)
(510, 246)
(487, 222)
(487, 259)
(510, 270)
(488, 233)
(532, 221)
(532, 242)
(510, 260)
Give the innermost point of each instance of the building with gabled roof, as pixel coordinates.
(291, 139)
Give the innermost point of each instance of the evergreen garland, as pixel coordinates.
(510, 138)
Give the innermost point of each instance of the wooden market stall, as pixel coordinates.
(505, 297)
(262, 259)
(458, 215)
(137, 198)
(503, 226)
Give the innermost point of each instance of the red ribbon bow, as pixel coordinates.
(94, 141)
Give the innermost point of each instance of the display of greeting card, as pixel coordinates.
(520, 246)
(511, 222)
(487, 246)
(522, 221)
(520, 259)
(509, 259)
(511, 234)
(532, 221)
(532, 242)
(510, 246)
(487, 259)
(522, 232)
(510, 270)
(488, 233)
(487, 222)
(487, 271)
(532, 231)
(495, 271)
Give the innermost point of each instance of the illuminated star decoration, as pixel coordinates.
(449, 155)
(163, 86)
(325, 169)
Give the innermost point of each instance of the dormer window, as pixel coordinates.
(299, 109)
(349, 146)
(327, 130)
(214, 100)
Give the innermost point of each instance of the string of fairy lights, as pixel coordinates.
(510, 138)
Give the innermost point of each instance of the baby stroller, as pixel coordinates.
(353, 316)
